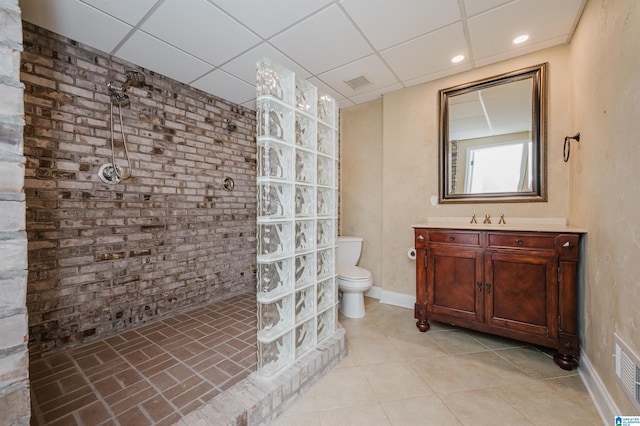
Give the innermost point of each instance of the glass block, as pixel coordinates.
(305, 233)
(305, 201)
(305, 95)
(275, 160)
(275, 278)
(275, 240)
(325, 171)
(326, 323)
(274, 80)
(305, 336)
(274, 200)
(305, 303)
(325, 267)
(305, 166)
(326, 109)
(276, 355)
(325, 139)
(305, 269)
(274, 317)
(275, 120)
(305, 131)
(325, 294)
(325, 202)
(325, 234)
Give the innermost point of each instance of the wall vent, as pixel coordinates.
(628, 370)
(358, 82)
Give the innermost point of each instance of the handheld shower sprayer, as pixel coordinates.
(111, 173)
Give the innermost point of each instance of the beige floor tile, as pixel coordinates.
(392, 381)
(483, 407)
(545, 403)
(533, 362)
(363, 415)
(417, 345)
(373, 351)
(297, 420)
(427, 411)
(457, 341)
(494, 342)
(457, 373)
(341, 388)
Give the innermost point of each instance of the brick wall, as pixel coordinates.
(104, 258)
(14, 368)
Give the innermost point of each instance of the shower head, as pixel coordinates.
(119, 98)
(131, 77)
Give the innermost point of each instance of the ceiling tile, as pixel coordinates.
(201, 29)
(322, 42)
(226, 87)
(77, 21)
(437, 49)
(385, 24)
(492, 33)
(281, 13)
(473, 7)
(129, 11)
(244, 67)
(151, 53)
(370, 67)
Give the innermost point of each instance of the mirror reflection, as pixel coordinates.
(492, 144)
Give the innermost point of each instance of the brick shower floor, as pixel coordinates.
(151, 375)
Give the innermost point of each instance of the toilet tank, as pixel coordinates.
(349, 249)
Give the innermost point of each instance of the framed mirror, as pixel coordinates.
(493, 139)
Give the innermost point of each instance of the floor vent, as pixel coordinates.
(628, 370)
(358, 82)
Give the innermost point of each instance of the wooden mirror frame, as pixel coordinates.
(538, 192)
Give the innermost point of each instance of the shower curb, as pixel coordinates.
(258, 401)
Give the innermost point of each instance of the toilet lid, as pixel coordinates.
(353, 273)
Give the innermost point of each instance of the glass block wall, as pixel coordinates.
(297, 217)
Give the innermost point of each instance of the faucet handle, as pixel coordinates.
(502, 221)
(473, 219)
(487, 218)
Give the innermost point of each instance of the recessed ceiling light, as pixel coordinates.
(457, 58)
(520, 39)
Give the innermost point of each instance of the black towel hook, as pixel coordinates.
(567, 145)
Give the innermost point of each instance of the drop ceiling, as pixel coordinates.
(213, 45)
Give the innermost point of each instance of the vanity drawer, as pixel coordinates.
(529, 241)
(455, 237)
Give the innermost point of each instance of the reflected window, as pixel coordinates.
(498, 168)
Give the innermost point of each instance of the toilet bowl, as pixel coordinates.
(352, 280)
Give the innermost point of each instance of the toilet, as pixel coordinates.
(353, 280)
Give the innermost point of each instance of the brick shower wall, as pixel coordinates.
(104, 258)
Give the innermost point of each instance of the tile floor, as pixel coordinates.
(151, 375)
(395, 375)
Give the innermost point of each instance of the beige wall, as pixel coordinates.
(605, 178)
(361, 181)
(594, 88)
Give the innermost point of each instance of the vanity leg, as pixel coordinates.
(420, 313)
(566, 362)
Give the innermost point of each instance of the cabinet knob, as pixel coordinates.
(519, 242)
(452, 238)
(419, 238)
(479, 284)
(488, 286)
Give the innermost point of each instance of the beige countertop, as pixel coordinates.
(513, 224)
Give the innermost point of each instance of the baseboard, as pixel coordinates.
(391, 297)
(606, 407)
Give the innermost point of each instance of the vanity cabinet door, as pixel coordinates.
(521, 292)
(453, 280)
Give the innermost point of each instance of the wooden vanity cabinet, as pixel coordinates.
(516, 284)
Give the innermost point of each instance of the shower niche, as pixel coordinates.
(297, 217)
